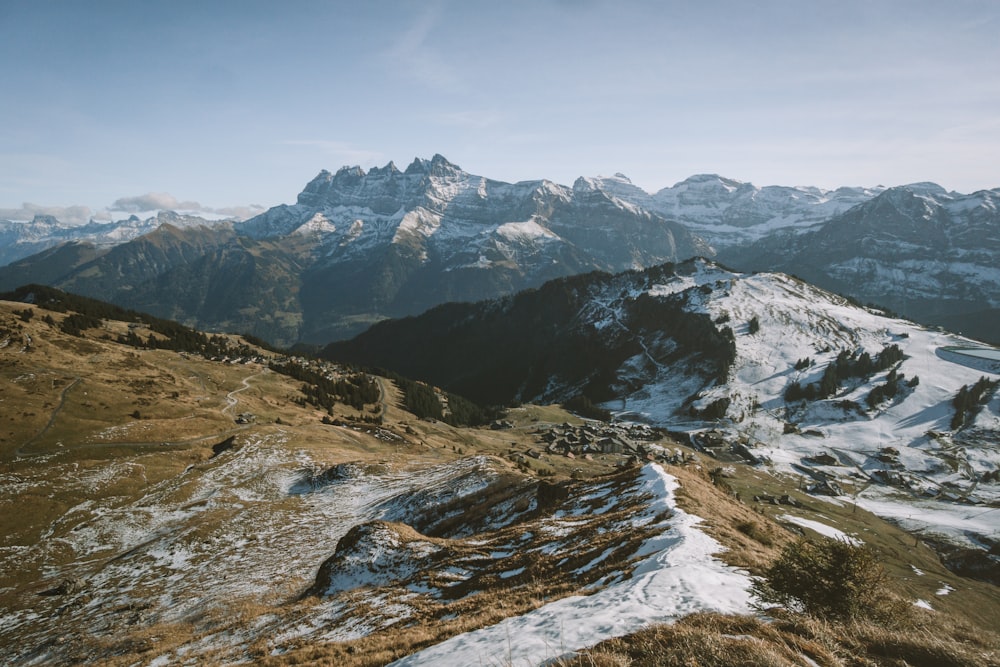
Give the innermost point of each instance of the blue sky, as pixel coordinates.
(238, 103)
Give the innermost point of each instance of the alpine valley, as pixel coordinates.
(541, 425)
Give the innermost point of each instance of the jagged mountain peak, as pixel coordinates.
(437, 165)
(349, 172)
(383, 189)
(389, 169)
(618, 189)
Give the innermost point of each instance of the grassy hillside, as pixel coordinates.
(168, 496)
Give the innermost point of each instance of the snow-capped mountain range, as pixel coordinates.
(726, 213)
(447, 220)
(20, 239)
(359, 246)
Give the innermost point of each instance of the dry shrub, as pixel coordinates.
(754, 530)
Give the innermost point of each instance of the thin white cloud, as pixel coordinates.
(152, 201)
(239, 212)
(74, 215)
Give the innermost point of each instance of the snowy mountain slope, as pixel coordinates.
(679, 576)
(570, 337)
(727, 213)
(209, 540)
(903, 450)
(917, 249)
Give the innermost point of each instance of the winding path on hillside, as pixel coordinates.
(19, 452)
(231, 400)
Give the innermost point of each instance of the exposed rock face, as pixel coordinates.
(377, 552)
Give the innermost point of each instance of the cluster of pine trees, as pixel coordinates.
(846, 365)
(425, 402)
(890, 389)
(970, 400)
(693, 331)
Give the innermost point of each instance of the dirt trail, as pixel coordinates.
(52, 418)
(231, 400)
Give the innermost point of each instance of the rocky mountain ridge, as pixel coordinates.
(729, 213)
(359, 247)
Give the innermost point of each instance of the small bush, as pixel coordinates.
(755, 531)
(830, 579)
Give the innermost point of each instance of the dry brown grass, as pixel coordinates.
(793, 641)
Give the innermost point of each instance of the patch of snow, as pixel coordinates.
(821, 528)
(944, 590)
(528, 230)
(678, 577)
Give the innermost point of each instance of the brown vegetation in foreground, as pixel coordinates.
(925, 639)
